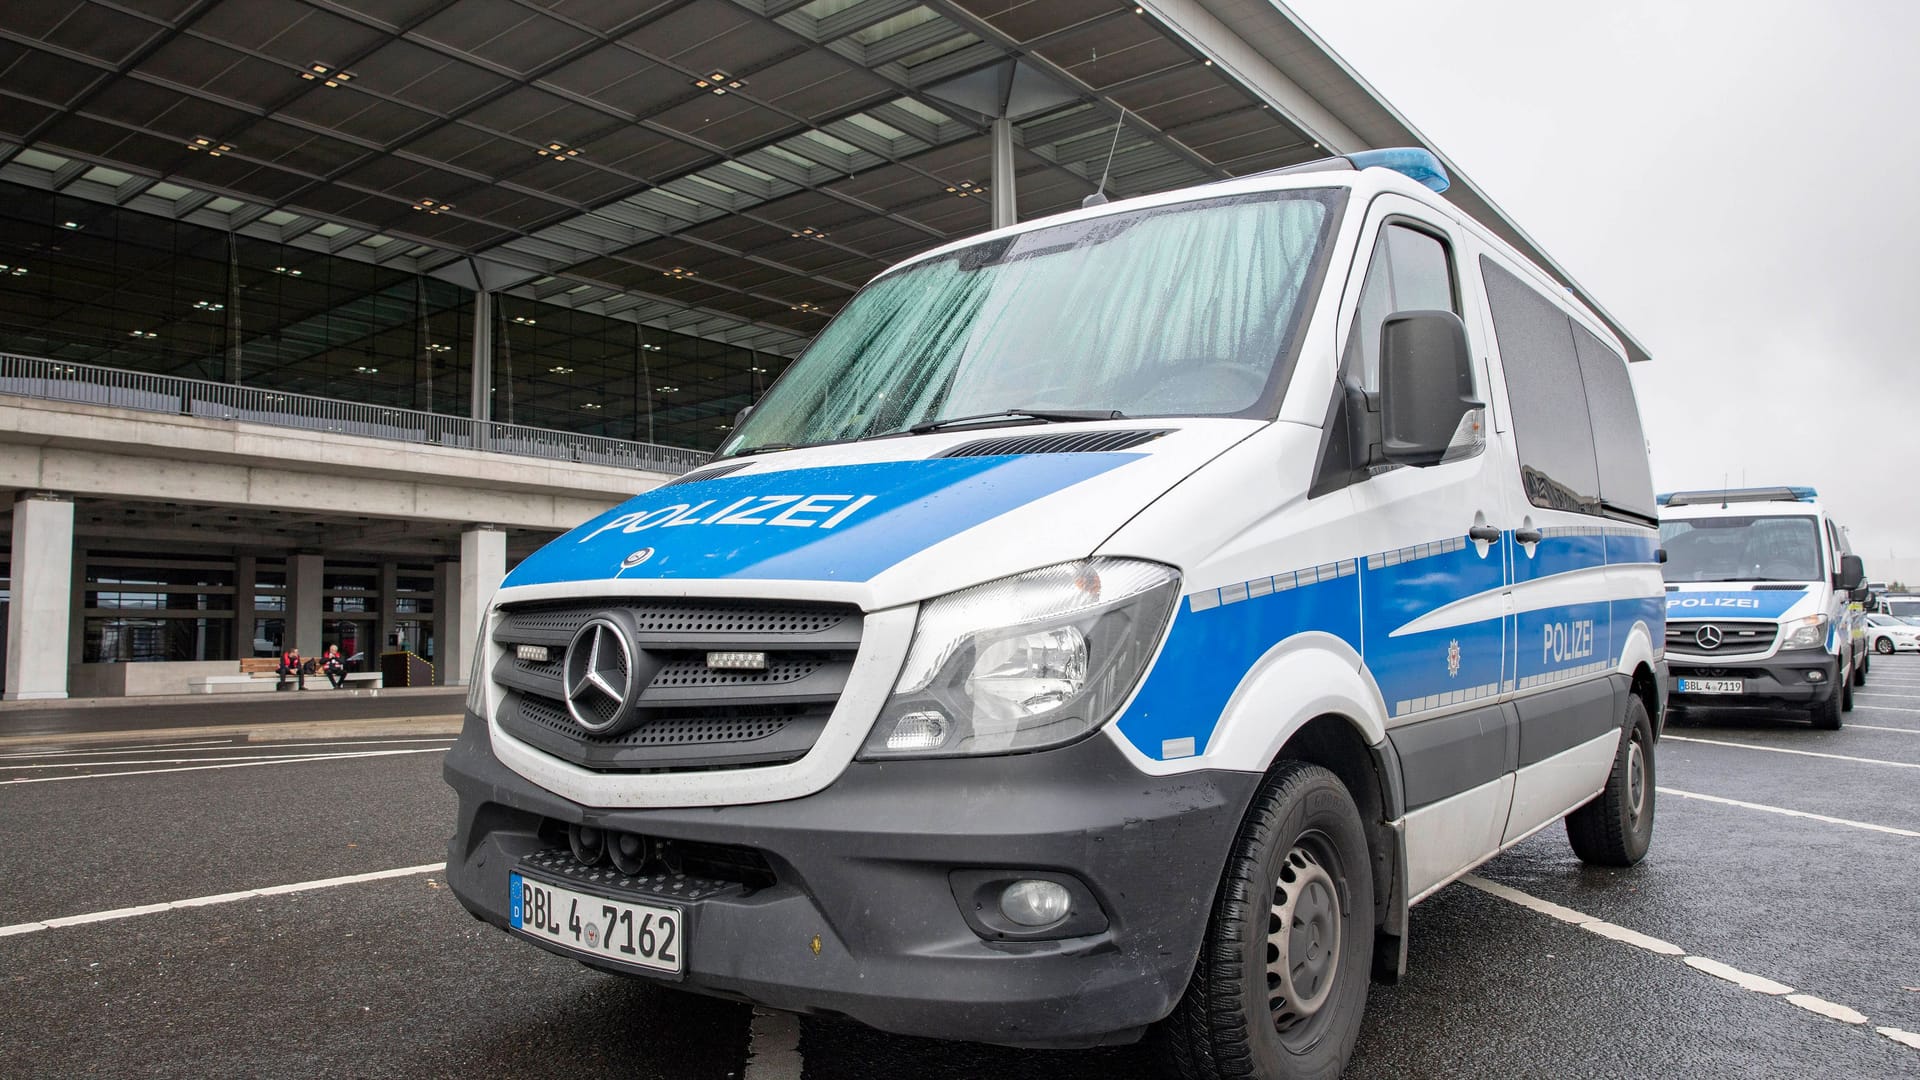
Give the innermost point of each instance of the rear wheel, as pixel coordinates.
(1281, 981)
(1616, 828)
(1846, 694)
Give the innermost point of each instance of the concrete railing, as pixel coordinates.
(56, 380)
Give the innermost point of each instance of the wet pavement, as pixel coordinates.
(334, 975)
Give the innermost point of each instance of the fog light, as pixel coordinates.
(1032, 902)
(1816, 676)
(918, 731)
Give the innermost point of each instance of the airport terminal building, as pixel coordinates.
(317, 315)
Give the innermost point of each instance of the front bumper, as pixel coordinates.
(863, 868)
(1778, 679)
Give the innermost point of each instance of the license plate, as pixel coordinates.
(643, 935)
(1712, 686)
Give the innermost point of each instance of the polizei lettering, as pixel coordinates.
(1561, 642)
(1715, 602)
(787, 511)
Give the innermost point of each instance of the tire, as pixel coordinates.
(1846, 695)
(1860, 670)
(1883, 646)
(1826, 715)
(1303, 849)
(1616, 828)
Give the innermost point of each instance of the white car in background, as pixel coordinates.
(1888, 634)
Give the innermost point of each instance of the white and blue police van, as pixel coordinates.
(1760, 602)
(1110, 623)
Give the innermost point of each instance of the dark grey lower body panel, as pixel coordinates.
(1445, 756)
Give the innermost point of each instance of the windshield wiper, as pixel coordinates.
(1045, 416)
(763, 448)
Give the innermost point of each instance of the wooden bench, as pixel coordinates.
(268, 667)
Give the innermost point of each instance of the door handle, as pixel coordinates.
(1484, 533)
(1527, 536)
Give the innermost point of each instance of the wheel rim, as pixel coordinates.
(1303, 943)
(1884, 646)
(1636, 780)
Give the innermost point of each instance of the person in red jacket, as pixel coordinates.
(290, 665)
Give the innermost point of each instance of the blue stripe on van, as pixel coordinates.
(836, 523)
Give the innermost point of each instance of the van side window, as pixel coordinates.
(1551, 428)
(1626, 485)
(1411, 271)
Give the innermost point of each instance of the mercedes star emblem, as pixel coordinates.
(599, 677)
(1707, 637)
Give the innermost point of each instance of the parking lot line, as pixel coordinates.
(218, 898)
(227, 765)
(1871, 727)
(1745, 980)
(1788, 813)
(773, 1046)
(1785, 750)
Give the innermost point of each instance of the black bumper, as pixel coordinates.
(1779, 679)
(864, 867)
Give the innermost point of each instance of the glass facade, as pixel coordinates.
(87, 282)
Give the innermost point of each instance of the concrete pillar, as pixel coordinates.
(1005, 210)
(483, 563)
(387, 617)
(246, 575)
(480, 406)
(77, 617)
(41, 611)
(305, 603)
(447, 618)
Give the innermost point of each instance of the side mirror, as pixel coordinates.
(1426, 385)
(1852, 575)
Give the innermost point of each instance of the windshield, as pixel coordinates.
(1741, 549)
(1183, 310)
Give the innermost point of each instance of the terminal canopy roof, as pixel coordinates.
(731, 169)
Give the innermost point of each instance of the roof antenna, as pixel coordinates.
(1099, 196)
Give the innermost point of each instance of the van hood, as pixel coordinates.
(882, 522)
(1738, 600)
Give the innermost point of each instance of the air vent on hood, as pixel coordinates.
(706, 474)
(1061, 442)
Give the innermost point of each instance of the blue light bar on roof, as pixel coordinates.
(1409, 161)
(1737, 495)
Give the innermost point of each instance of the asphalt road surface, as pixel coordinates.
(207, 906)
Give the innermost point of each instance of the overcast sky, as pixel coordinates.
(1736, 181)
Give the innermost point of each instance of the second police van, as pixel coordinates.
(1112, 623)
(1760, 602)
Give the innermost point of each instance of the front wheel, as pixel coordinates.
(1281, 981)
(1826, 715)
(1616, 828)
(1883, 646)
(1860, 671)
(1846, 694)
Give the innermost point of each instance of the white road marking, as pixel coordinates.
(148, 748)
(1789, 813)
(1886, 708)
(1827, 1008)
(181, 761)
(228, 765)
(212, 746)
(773, 1046)
(1784, 750)
(1744, 980)
(1871, 727)
(219, 898)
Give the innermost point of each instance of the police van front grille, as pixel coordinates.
(1736, 638)
(691, 716)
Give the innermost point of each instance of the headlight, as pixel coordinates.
(1026, 662)
(477, 674)
(1805, 633)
